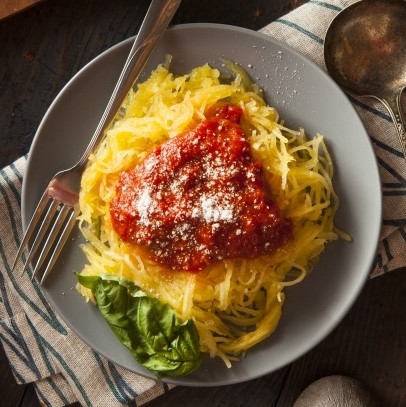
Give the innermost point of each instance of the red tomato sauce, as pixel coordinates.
(199, 198)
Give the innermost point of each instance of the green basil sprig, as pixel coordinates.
(146, 327)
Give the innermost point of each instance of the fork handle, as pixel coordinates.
(157, 19)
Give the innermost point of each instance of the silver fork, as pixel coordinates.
(58, 208)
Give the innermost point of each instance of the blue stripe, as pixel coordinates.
(394, 193)
(9, 332)
(378, 261)
(43, 353)
(18, 174)
(12, 186)
(326, 5)
(13, 223)
(42, 398)
(17, 375)
(4, 295)
(29, 362)
(122, 398)
(17, 335)
(57, 390)
(388, 253)
(392, 185)
(120, 382)
(392, 171)
(64, 365)
(385, 267)
(386, 147)
(369, 108)
(51, 318)
(301, 30)
(394, 222)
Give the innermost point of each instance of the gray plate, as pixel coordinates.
(305, 96)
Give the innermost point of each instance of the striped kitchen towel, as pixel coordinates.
(305, 29)
(40, 347)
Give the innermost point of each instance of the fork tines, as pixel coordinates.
(52, 223)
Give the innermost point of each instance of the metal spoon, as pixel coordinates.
(365, 53)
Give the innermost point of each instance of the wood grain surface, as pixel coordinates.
(41, 49)
(11, 7)
(44, 46)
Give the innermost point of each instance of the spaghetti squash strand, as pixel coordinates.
(238, 303)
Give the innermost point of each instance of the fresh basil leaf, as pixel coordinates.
(88, 281)
(145, 326)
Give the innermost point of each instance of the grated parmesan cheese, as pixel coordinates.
(238, 303)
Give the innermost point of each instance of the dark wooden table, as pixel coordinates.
(42, 48)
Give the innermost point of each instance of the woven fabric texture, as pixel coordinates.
(42, 350)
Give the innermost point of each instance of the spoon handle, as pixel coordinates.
(394, 109)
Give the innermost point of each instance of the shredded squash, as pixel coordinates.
(235, 303)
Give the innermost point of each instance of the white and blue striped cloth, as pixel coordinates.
(41, 349)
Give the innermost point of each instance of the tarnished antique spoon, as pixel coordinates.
(365, 53)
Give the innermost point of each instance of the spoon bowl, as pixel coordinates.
(365, 53)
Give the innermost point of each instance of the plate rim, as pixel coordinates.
(314, 66)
